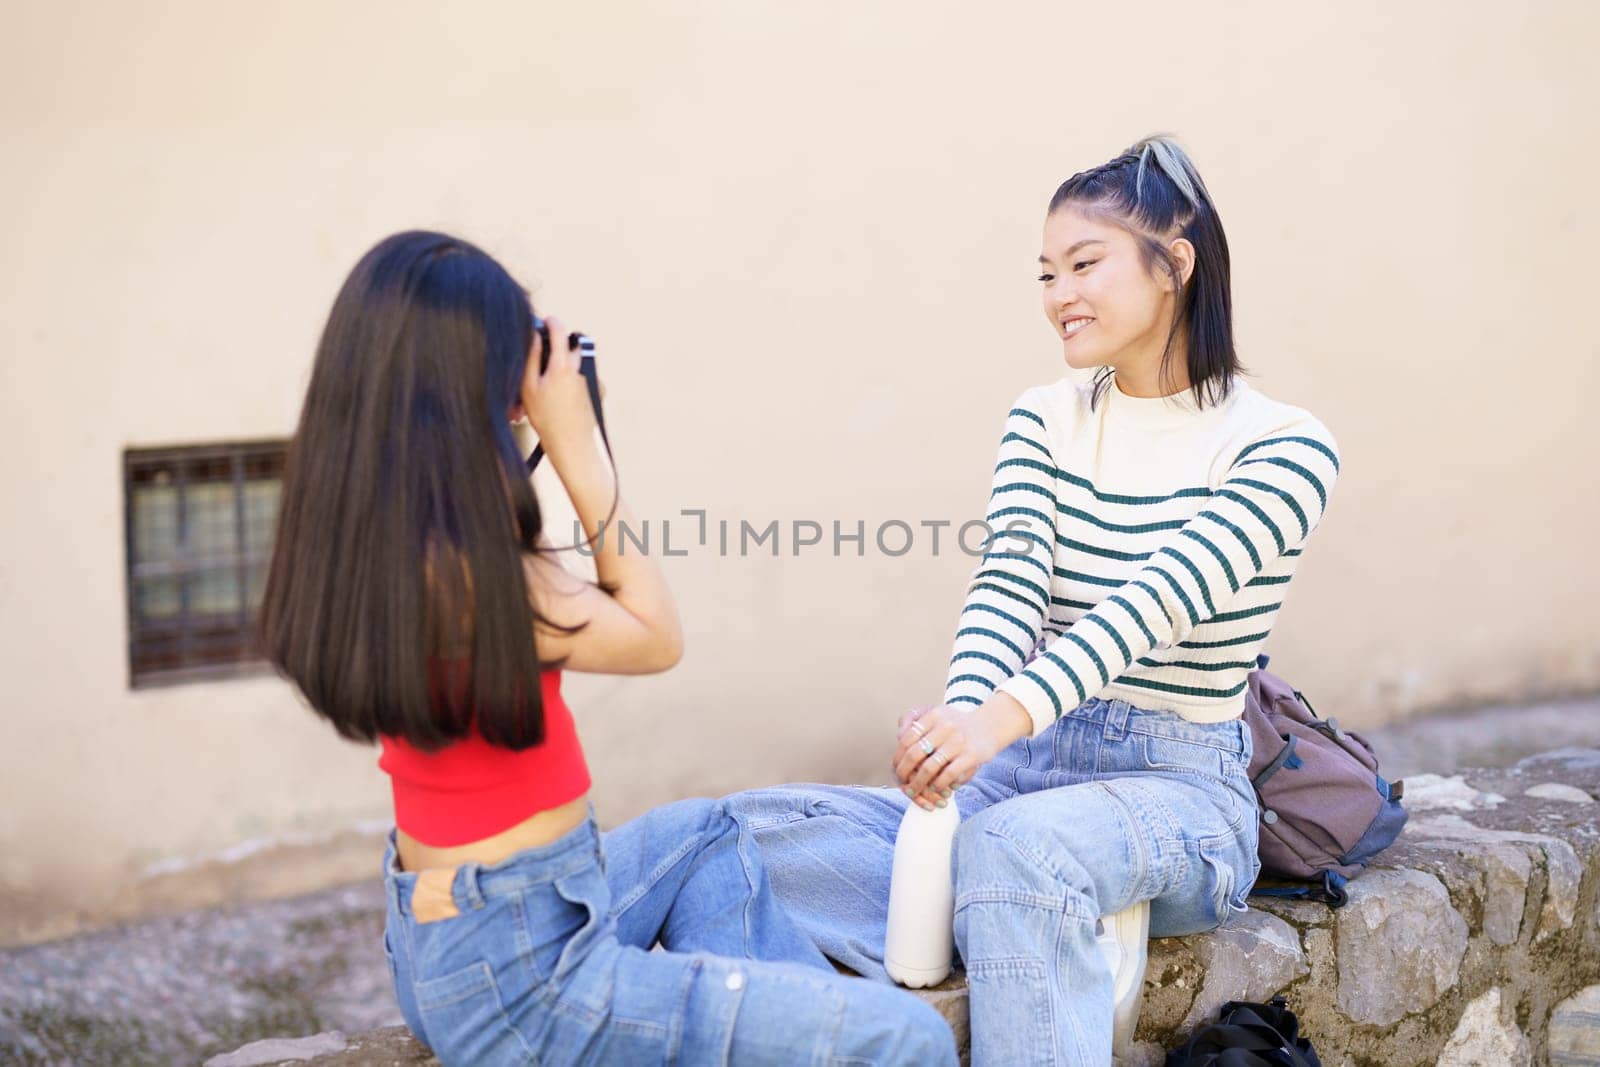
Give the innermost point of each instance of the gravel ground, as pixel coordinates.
(176, 990)
(179, 989)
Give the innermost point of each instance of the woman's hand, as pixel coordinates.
(941, 748)
(557, 401)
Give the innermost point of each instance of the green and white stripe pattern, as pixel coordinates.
(1161, 599)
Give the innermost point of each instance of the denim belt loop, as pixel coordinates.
(469, 894)
(1117, 720)
(391, 890)
(391, 887)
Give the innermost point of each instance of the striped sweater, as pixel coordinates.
(1142, 550)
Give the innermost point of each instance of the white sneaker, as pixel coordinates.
(1124, 939)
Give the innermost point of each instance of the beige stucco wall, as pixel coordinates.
(804, 237)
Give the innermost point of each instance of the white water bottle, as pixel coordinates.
(920, 939)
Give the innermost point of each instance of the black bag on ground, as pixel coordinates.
(1248, 1035)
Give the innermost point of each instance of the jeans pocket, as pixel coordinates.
(1173, 755)
(1011, 1007)
(465, 1018)
(1220, 879)
(1233, 866)
(445, 945)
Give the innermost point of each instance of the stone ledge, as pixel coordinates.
(1476, 940)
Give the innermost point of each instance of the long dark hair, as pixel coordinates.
(406, 509)
(1150, 190)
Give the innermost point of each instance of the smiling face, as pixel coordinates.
(1108, 309)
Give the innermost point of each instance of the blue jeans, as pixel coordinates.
(1111, 806)
(547, 960)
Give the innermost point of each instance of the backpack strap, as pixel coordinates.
(1260, 780)
(1329, 890)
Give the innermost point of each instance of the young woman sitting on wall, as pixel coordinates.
(1149, 522)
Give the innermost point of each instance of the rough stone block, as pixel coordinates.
(1431, 791)
(1486, 1036)
(1400, 945)
(1575, 1030)
(277, 1050)
(1250, 959)
(1563, 872)
(1558, 791)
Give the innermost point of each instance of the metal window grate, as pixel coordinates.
(200, 521)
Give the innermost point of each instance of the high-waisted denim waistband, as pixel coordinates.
(470, 884)
(1118, 718)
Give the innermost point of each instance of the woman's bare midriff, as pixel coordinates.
(538, 829)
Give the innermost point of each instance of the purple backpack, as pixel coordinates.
(1325, 810)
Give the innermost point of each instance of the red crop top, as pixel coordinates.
(471, 789)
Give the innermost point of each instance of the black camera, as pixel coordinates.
(578, 341)
(584, 346)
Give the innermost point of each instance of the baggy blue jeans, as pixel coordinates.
(547, 961)
(1110, 806)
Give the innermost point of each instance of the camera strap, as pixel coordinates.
(586, 367)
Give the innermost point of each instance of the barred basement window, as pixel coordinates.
(199, 526)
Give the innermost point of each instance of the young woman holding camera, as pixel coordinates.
(1148, 524)
(413, 601)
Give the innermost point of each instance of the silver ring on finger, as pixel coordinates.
(918, 727)
(940, 756)
(926, 746)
